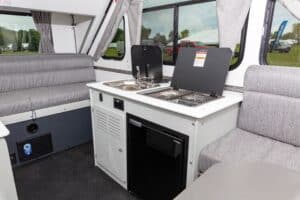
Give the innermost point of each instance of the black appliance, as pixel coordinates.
(157, 160)
(147, 60)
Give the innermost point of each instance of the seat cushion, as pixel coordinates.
(242, 146)
(273, 116)
(277, 80)
(37, 98)
(45, 70)
(271, 105)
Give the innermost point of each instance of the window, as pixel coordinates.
(172, 24)
(116, 49)
(283, 40)
(160, 34)
(18, 35)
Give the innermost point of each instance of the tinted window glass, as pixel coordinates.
(198, 29)
(284, 46)
(157, 29)
(18, 35)
(182, 24)
(116, 49)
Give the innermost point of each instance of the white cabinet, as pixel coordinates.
(109, 132)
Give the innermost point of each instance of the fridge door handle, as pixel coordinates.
(135, 123)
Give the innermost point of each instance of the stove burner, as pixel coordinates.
(184, 97)
(169, 94)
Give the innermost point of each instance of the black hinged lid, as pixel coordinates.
(202, 70)
(149, 61)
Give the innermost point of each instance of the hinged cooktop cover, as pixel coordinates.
(202, 70)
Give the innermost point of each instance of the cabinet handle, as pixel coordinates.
(120, 150)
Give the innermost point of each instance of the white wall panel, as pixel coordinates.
(87, 7)
(63, 35)
(108, 76)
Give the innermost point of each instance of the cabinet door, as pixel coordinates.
(110, 141)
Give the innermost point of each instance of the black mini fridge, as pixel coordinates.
(157, 160)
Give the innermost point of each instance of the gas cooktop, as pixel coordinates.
(183, 97)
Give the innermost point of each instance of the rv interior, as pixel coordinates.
(150, 100)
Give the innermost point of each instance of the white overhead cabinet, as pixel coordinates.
(109, 132)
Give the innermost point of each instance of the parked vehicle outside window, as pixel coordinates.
(284, 38)
(18, 35)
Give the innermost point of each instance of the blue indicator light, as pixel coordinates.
(27, 149)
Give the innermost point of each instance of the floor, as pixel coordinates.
(69, 175)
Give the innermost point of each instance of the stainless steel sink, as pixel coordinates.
(131, 85)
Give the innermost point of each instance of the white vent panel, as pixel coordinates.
(108, 122)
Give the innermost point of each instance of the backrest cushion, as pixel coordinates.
(43, 63)
(271, 105)
(25, 72)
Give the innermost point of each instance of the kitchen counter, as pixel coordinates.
(198, 112)
(202, 124)
(3, 130)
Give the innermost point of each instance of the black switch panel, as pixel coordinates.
(118, 104)
(100, 97)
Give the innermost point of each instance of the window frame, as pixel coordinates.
(118, 58)
(175, 7)
(267, 32)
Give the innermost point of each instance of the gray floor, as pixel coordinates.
(69, 175)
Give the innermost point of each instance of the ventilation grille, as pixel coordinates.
(108, 123)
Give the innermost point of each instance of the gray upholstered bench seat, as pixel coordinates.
(34, 82)
(242, 146)
(268, 128)
(37, 98)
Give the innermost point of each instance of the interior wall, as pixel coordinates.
(63, 34)
(86, 7)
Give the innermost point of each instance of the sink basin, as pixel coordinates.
(131, 85)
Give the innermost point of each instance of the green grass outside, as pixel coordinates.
(113, 53)
(285, 59)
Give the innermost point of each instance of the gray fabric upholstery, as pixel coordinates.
(21, 81)
(43, 63)
(269, 121)
(36, 98)
(282, 81)
(39, 81)
(277, 117)
(242, 146)
(271, 105)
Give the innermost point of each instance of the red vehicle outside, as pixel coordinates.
(169, 49)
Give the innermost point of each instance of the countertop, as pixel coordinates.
(229, 99)
(3, 130)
